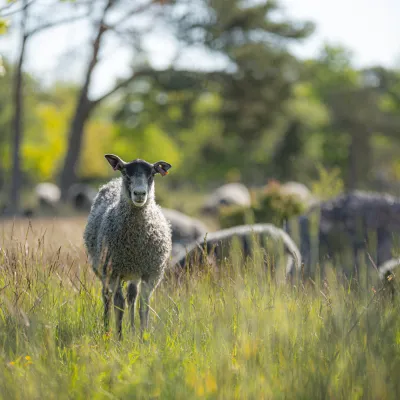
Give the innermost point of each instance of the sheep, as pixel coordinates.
(48, 195)
(387, 275)
(298, 190)
(185, 229)
(128, 238)
(81, 196)
(229, 194)
(217, 244)
(347, 223)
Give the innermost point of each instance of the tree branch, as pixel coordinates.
(12, 12)
(119, 86)
(131, 13)
(56, 23)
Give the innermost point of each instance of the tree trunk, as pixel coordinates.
(82, 112)
(17, 130)
(68, 174)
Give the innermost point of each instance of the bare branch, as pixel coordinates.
(132, 13)
(12, 12)
(121, 84)
(16, 11)
(56, 23)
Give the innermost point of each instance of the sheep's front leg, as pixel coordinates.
(112, 291)
(109, 288)
(119, 305)
(146, 289)
(131, 296)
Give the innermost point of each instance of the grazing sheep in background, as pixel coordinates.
(128, 238)
(386, 269)
(229, 194)
(81, 196)
(48, 195)
(298, 190)
(387, 275)
(349, 225)
(185, 229)
(217, 245)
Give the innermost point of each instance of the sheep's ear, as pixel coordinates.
(116, 163)
(161, 167)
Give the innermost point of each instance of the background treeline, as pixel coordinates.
(260, 114)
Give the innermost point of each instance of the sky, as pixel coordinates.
(369, 28)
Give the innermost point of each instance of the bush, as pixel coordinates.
(235, 215)
(270, 205)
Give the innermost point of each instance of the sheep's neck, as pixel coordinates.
(131, 211)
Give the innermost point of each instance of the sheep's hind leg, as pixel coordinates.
(119, 305)
(131, 297)
(146, 289)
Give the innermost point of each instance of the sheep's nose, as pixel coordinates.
(139, 193)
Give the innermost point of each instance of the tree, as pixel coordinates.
(252, 88)
(354, 99)
(124, 26)
(28, 28)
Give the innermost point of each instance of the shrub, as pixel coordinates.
(270, 205)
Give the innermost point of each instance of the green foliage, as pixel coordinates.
(266, 116)
(236, 215)
(270, 205)
(151, 144)
(43, 150)
(4, 25)
(233, 334)
(329, 183)
(99, 139)
(274, 206)
(214, 115)
(2, 68)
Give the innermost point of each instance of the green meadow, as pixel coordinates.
(226, 333)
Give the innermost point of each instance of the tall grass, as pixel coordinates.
(227, 334)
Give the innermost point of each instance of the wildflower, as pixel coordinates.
(210, 383)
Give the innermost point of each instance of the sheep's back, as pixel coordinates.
(107, 196)
(219, 243)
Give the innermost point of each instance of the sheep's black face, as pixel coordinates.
(138, 177)
(139, 181)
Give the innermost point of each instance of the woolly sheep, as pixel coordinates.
(81, 196)
(386, 269)
(48, 195)
(185, 229)
(298, 190)
(346, 224)
(229, 194)
(128, 238)
(217, 245)
(387, 275)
